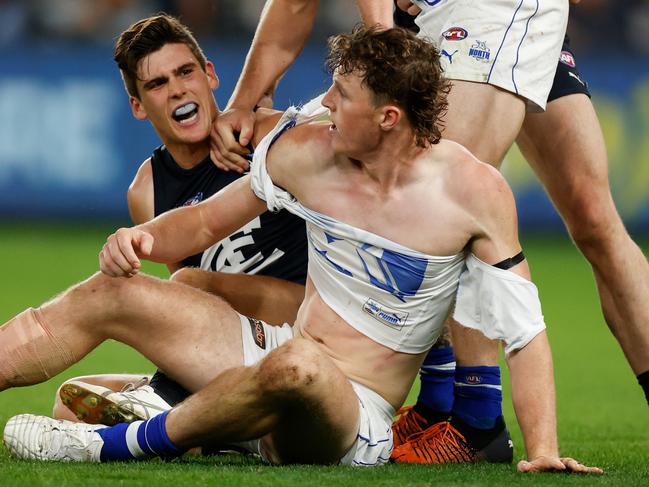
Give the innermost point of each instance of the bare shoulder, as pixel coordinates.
(480, 186)
(140, 194)
(311, 134)
(300, 151)
(311, 139)
(485, 198)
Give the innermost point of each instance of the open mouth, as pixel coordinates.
(185, 113)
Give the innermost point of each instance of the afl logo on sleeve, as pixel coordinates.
(567, 58)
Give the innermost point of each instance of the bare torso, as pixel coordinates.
(362, 360)
(424, 192)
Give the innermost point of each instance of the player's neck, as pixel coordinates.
(188, 156)
(392, 161)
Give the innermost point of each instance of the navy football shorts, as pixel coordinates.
(567, 80)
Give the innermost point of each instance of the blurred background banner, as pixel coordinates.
(69, 146)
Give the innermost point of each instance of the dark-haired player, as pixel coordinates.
(362, 170)
(270, 249)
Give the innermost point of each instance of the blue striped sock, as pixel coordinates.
(138, 440)
(436, 375)
(478, 396)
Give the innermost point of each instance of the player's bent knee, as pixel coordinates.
(98, 285)
(295, 366)
(111, 297)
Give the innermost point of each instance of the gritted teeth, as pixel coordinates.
(185, 111)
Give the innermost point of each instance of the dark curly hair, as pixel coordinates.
(147, 36)
(399, 68)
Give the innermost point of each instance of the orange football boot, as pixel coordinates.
(443, 443)
(409, 422)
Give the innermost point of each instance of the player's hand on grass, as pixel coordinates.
(231, 134)
(120, 256)
(555, 464)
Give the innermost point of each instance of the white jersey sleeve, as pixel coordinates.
(500, 304)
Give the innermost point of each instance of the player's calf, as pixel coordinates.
(31, 351)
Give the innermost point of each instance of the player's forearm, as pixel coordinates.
(281, 34)
(177, 234)
(376, 12)
(533, 395)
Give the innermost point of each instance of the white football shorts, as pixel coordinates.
(512, 44)
(374, 441)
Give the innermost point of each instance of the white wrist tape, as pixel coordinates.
(500, 304)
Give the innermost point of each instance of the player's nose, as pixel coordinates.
(176, 87)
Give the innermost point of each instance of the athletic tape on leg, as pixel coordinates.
(29, 352)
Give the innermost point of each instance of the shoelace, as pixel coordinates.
(131, 386)
(67, 437)
(438, 439)
(408, 423)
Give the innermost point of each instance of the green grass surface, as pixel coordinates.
(602, 413)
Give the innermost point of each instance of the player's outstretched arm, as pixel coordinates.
(528, 352)
(176, 234)
(283, 29)
(376, 12)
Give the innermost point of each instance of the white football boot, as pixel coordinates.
(99, 405)
(31, 437)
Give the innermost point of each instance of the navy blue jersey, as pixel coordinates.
(273, 244)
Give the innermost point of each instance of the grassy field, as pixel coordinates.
(602, 413)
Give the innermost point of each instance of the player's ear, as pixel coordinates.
(136, 107)
(211, 74)
(390, 117)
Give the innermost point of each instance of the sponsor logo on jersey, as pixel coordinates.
(197, 198)
(567, 58)
(258, 334)
(473, 379)
(449, 56)
(455, 34)
(239, 253)
(386, 315)
(480, 51)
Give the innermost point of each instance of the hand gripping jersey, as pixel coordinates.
(396, 296)
(273, 244)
